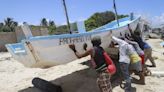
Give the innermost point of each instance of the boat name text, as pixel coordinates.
(72, 40)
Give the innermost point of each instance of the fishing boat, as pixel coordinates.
(52, 50)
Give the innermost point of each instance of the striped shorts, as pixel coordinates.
(104, 82)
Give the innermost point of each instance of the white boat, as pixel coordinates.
(47, 51)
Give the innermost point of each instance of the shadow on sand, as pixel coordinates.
(79, 81)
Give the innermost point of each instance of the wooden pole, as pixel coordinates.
(66, 14)
(115, 9)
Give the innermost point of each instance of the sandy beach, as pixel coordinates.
(75, 76)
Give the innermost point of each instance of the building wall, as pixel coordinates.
(17, 36)
(39, 32)
(44, 31)
(7, 38)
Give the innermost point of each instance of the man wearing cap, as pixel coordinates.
(98, 62)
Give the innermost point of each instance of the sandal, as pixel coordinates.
(148, 72)
(122, 85)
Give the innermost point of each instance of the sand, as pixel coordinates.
(73, 77)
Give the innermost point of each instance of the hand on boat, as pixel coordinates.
(129, 26)
(110, 33)
(72, 47)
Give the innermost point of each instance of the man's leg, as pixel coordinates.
(104, 82)
(151, 58)
(125, 71)
(148, 55)
(146, 52)
(137, 68)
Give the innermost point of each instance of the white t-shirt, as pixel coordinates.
(123, 46)
(131, 50)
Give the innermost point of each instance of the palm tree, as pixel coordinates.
(8, 21)
(51, 23)
(52, 27)
(1, 24)
(15, 23)
(9, 25)
(44, 22)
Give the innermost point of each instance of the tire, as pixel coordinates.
(46, 86)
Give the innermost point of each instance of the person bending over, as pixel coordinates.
(143, 45)
(124, 61)
(98, 62)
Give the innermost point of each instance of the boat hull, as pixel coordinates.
(47, 51)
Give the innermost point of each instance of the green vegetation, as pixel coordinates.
(49, 25)
(44, 22)
(95, 21)
(34, 27)
(100, 19)
(8, 26)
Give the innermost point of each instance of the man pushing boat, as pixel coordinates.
(103, 67)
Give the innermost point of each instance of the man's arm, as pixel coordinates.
(131, 32)
(119, 41)
(131, 42)
(88, 52)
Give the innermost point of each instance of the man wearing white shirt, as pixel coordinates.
(124, 61)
